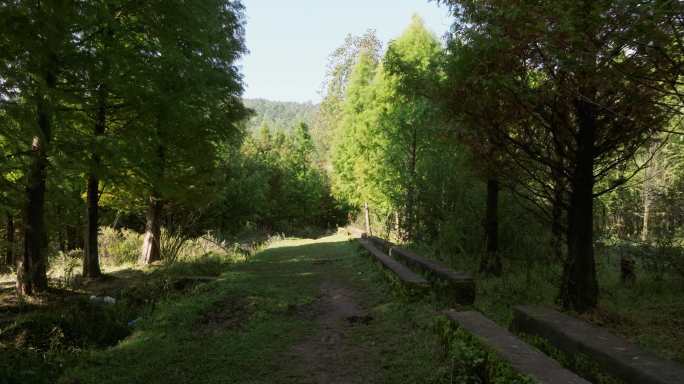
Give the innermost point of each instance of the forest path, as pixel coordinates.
(329, 354)
(302, 311)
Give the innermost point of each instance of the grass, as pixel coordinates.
(648, 313)
(41, 336)
(242, 327)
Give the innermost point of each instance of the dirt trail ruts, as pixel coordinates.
(328, 356)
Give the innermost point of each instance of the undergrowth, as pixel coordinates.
(45, 337)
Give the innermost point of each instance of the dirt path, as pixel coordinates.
(328, 355)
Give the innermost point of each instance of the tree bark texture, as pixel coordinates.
(579, 289)
(91, 258)
(366, 213)
(151, 251)
(32, 265)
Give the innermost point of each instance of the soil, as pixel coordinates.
(328, 355)
(229, 313)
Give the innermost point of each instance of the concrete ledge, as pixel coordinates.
(524, 358)
(382, 244)
(614, 354)
(461, 285)
(405, 275)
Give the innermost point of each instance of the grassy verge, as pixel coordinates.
(42, 336)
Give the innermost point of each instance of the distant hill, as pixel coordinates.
(280, 115)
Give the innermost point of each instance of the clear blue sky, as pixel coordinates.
(290, 40)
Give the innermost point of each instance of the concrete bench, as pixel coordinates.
(405, 275)
(614, 354)
(382, 244)
(524, 358)
(461, 285)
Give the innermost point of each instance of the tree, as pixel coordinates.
(339, 71)
(583, 113)
(351, 153)
(191, 102)
(409, 120)
(38, 47)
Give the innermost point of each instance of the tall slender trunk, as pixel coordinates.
(91, 259)
(32, 268)
(491, 260)
(9, 239)
(410, 219)
(579, 289)
(150, 250)
(366, 213)
(649, 174)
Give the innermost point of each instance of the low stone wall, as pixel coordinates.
(460, 286)
(524, 358)
(615, 355)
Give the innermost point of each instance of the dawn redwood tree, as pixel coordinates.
(37, 45)
(408, 121)
(352, 143)
(473, 114)
(103, 56)
(189, 99)
(339, 69)
(570, 68)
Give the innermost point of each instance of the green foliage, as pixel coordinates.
(138, 98)
(279, 115)
(341, 64)
(274, 184)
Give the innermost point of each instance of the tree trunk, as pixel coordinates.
(150, 249)
(579, 289)
(32, 268)
(32, 265)
(410, 218)
(491, 260)
(9, 238)
(366, 213)
(91, 258)
(649, 173)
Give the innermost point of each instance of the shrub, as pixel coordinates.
(119, 246)
(209, 264)
(79, 325)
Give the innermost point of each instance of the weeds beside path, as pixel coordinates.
(301, 311)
